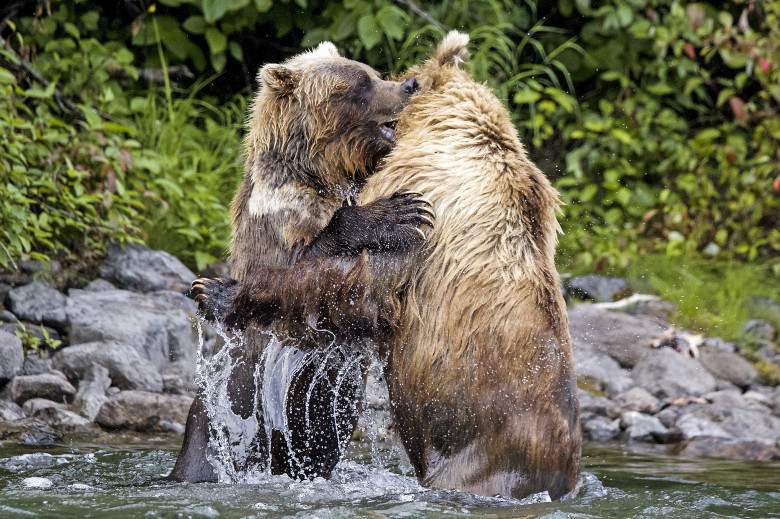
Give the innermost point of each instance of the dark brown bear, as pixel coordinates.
(318, 126)
(480, 367)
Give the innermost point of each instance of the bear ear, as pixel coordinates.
(326, 50)
(279, 78)
(452, 49)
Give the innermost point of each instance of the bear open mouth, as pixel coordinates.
(387, 129)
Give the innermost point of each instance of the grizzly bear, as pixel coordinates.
(479, 358)
(318, 126)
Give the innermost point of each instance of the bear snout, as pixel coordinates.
(410, 86)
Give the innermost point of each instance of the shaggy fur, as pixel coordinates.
(480, 368)
(318, 126)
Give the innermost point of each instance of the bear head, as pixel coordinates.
(331, 117)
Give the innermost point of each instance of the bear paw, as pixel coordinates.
(399, 222)
(214, 296)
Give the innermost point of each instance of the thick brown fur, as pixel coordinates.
(480, 366)
(318, 126)
(480, 374)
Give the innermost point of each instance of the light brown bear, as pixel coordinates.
(318, 126)
(480, 370)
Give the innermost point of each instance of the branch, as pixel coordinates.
(423, 14)
(9, 256)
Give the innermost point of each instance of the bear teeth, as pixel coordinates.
(388, 130)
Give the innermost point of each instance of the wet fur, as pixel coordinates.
(313, 139)
(480, 367)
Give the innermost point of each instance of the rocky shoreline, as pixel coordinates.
(126, 351)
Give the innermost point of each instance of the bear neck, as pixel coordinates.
(308, 169)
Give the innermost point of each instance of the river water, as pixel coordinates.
(127, 481)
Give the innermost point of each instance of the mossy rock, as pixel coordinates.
(768, 372)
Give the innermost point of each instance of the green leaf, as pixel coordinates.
(216, 40)
(90, 20)
(588, 193)
(194, 25)
(314, 37)
(659, 89)
(368, 31)
(214, 10)
(6, 77)
(263, 5)
(526, 96)
(236, 51)
(621, 135)
(392, 20)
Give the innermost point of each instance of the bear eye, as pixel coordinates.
(364, 82)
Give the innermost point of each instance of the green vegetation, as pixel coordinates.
(657, 120)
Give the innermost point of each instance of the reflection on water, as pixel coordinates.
(128, 481)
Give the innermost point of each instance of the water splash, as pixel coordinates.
(236, 451)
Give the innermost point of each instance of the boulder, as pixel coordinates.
(11, 356)
(34, 364)
(52, 386)
(92, 392)
(64, 420)
(48, 336)
(638, 399)
(726, 398)
(691, 426)
(597, 288)
(10, 411)
(34, 266)
(600, 428)
(743, 424)
(179, 378)
(143, 411)
(143, 270)
(728, 448)
(7, 317)
(728, 366)
(641, 427)
(99, 285)
(158, 325)
(38, 302)
(625, 338)
(35, 405)
(603, 370)
(590, 403)
(127, 369)
(668, 374)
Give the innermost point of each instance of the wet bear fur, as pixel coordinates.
(317, 128)
(479, 356)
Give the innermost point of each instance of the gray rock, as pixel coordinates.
(703, 446)
(655, 308)
(758, 400)
(759, 331)
(33, 266)
(126, 368)
(638, 399)
(99, 285)
(34, 364)
(11, 356)
(7, 317)
(64, 420)
(10, 411)
(92, 392)
(668, 374)
(726, 398)
(775, 400)
(743, 424)
(597, 288)
(138, 268)
(159, 325)
(669, 415)
(717, 343)
(590, 403)
(38, 302)
(625, 338)
(603, 370)
(52, 385)
(691, 426)
(35, 405)
(179, 378)
(142, 411)
(641, 427)
(600, 428)
(4, 289)
(728, 366)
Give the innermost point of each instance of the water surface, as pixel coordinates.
(127, 480)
